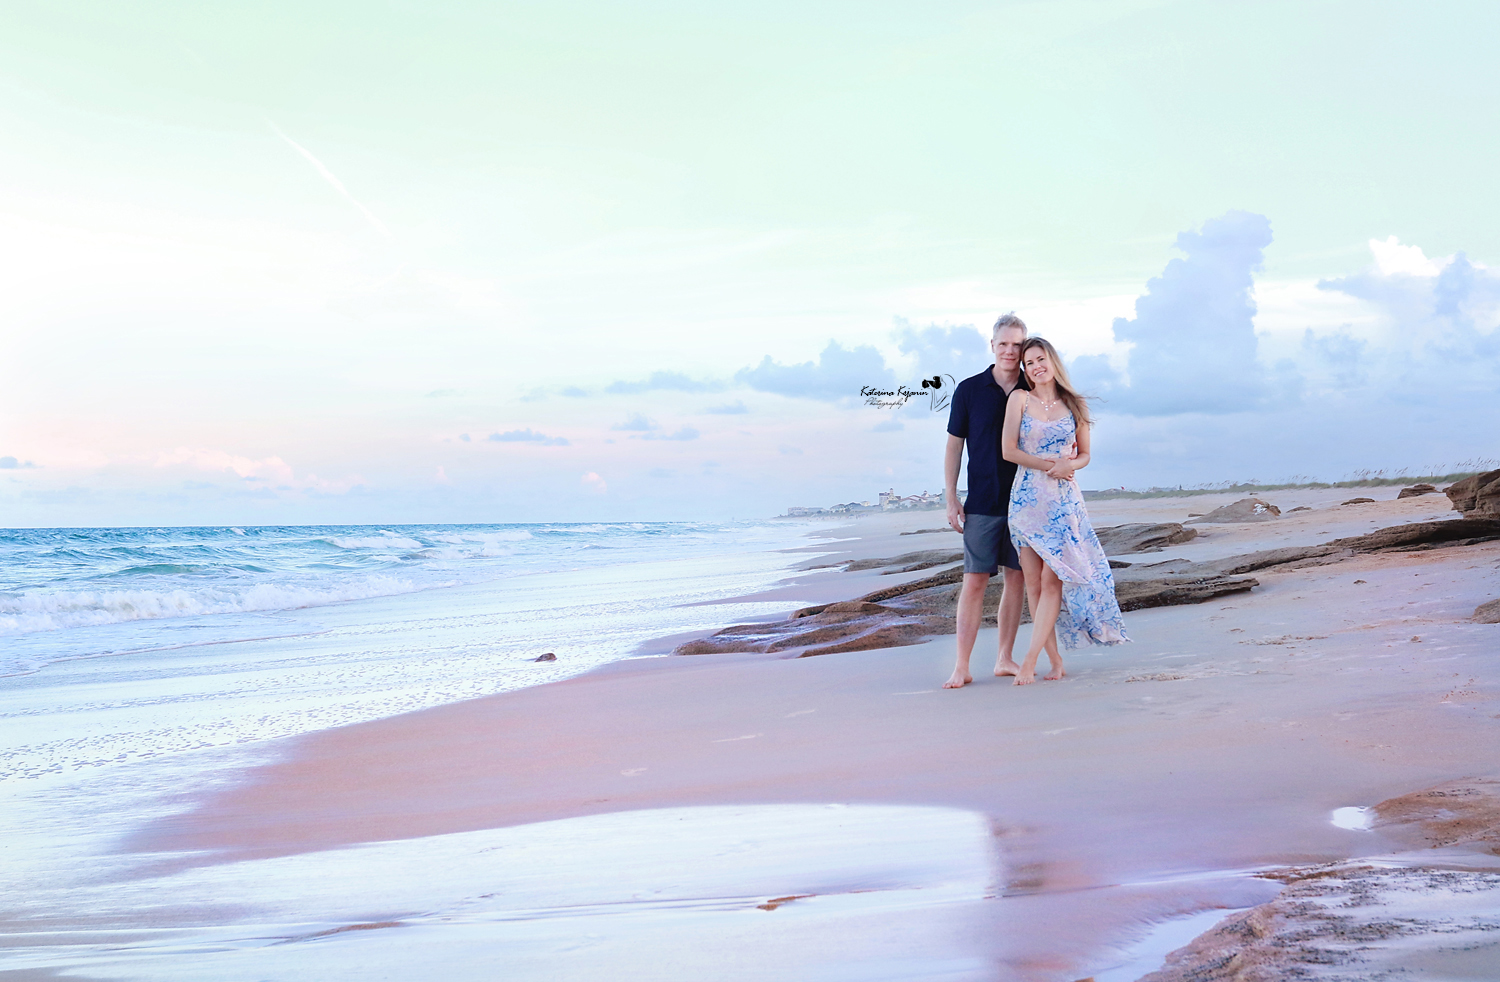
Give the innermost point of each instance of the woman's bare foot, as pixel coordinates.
(1025, 676)
(958, 680)
(1007, 666)
(1057, 671)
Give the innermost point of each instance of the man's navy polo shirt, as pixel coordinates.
(977, 415)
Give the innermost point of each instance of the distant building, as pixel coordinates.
(887, 501)
(890, 500)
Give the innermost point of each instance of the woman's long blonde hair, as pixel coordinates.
(1077, 403)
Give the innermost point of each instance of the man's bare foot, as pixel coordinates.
(1056, 673)
(1025, 676)
(958, 680)
(1006, 666)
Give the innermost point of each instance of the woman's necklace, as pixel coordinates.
(1047, 406)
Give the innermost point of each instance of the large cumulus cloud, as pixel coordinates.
(1434, 331)
(1193, 334)
(956, 351)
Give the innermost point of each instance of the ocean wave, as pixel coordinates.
(52, 611)
(455, 539)
(385, 540)
(56, 579)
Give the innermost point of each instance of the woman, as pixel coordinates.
(1060, 554)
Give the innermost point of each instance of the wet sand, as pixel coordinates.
(1152, 783)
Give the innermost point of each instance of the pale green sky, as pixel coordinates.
(273, 230)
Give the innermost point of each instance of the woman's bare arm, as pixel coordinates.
(1063, 468)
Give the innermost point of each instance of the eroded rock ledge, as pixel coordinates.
(1353, 920)
(908, 613)
(1477, 496)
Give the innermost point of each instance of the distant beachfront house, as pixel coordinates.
(890, 500)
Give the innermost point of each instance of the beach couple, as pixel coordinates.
(1027, 432)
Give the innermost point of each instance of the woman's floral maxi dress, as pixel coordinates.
(1048, 516)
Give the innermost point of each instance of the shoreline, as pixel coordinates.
(1151, 784)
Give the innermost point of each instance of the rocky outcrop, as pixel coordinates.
(1488, 613)
(1416, 491)
(1175, 591)
(1415, 537)
(1425, 535)
(910, 562)
(887, 618)
(908, 613)
(1244, 510)
(1359, 501)
(1477, 496)
(1347, 921)
(1462, 813)
(1122, 540)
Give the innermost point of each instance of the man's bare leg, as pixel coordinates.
(970, 613)
(1009, 617)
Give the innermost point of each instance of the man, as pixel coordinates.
(974, 419)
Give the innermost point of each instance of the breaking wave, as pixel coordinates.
(63, 579)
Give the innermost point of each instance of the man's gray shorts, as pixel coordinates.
(987, 544)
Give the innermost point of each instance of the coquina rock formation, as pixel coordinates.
(906, 613)
(1477, 496)
(1416, 491)
(1244, 510)
(1122, 540)
(1359, 920)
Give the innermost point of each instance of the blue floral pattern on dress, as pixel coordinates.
(1048, 516)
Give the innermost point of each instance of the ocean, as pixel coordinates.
(144, 668)
(130, 643)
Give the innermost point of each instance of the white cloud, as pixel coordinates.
(838, 374)
(1432, 334)
(637, 423)
(528, 435)
(594, 482)
(683, 433)
(1193, 347)
(1394, 259)
(268, 472)
(956, 351)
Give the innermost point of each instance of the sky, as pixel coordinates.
(318, 262)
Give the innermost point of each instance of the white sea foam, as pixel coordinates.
(385, 540)
(53, 611)
(1353, 818)
(518, 535)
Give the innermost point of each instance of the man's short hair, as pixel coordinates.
(1008, 320)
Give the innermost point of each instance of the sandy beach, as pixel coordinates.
(842, 816)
